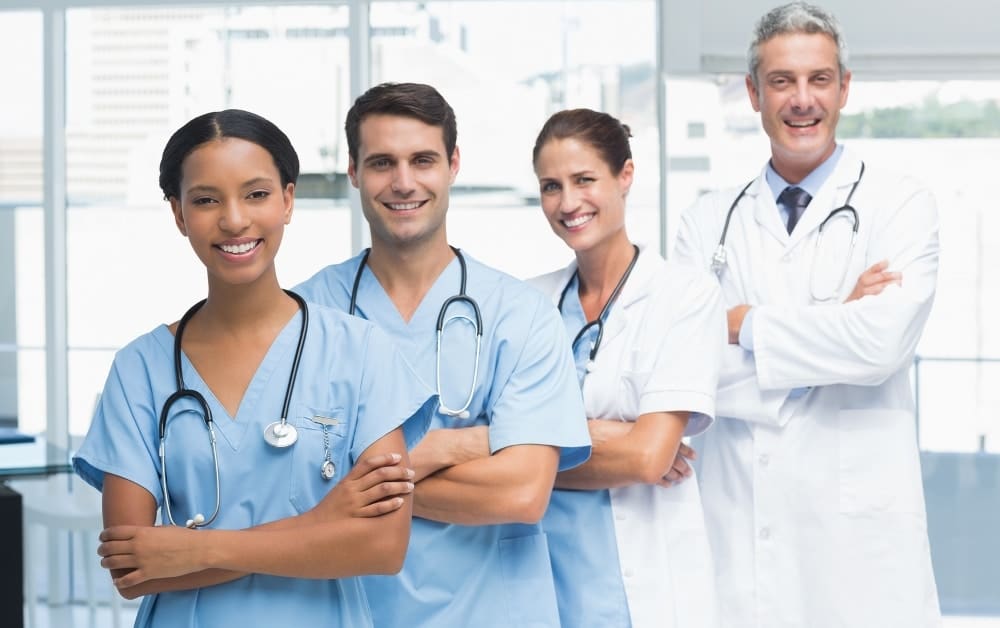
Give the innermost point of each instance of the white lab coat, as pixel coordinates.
(815, 504)
(660, 351)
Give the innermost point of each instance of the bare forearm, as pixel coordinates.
(643, 454)
(512, 486)
(444, 448)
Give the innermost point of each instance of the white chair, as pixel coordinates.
(63, 503)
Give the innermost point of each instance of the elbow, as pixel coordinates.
(389, 552)
(882, 360)
(529, 505)
(651, 467)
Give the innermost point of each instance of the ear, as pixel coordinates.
(752, 92)
(626, 176)
(453, 165)
(288, 195)
(175, 207)
(845, 86)
(352, 172)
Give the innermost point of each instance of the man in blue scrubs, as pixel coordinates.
(477, 555)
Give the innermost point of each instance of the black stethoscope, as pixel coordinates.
(277, 434)
(599, 321)
(477, 325)
(719, 257)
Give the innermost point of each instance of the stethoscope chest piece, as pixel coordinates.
(281, 434)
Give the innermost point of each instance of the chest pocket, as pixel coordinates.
(322, 437)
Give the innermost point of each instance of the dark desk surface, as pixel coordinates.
(33, 459)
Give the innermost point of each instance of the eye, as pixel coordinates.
(549, 187)
(259, 194)
(380, 164)
(424, 160)
(584, 180)
(203, 200)
(779, 81)
(821, 79)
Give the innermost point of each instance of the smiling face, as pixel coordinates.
(583, 200)
(233, 209)
(403, 174)
(799, 93)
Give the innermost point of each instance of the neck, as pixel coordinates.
(794, 170)
(246, 306)
(601, 268)
(407, 274)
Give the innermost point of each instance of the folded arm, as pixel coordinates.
(643, 453)
(511, 486)
(361, 528)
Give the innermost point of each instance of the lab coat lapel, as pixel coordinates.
(765, 210)
(833, 194)
(635, 289)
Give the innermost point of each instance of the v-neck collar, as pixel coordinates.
(233, 429)
(382, 310)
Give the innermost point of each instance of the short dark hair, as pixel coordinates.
(216, 125)
(605, 133)
(412, 100)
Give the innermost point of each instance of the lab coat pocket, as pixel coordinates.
(879, 462)
(528, 582)
(322, 439)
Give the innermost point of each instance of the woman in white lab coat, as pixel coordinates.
(811, 476)
(627, 538)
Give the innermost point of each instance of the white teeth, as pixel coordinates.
(576, 222)
(802, 123)
(239, 249)
(403, 206)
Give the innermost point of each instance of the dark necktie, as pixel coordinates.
(795, 200)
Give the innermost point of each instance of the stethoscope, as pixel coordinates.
(477, 325)
(277, 434)
(719, 257)
(599, 321)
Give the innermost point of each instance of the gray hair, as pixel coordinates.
(795, 17)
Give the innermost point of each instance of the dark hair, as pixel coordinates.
(604, 132)
(412, 100)
(221, 124)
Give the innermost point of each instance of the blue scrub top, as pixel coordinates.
(582, 569)
(350, 374)
(527, 393)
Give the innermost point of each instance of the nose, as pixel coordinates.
(234, 218)
(403, 182)
(569, 200)
(803, 98)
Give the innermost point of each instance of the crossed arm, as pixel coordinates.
(360, 527)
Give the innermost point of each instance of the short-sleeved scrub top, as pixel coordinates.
(526, 392)
(643, 547)
(353, 387)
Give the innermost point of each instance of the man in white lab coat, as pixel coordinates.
(811, 476)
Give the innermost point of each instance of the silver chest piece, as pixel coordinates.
(280, 434)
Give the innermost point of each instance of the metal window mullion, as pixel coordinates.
(54, 204)
(661, 119)
(360, 64)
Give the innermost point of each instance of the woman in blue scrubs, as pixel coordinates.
(627, 540)
(297, 523)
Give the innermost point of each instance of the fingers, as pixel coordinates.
(380, 492)
(117, 533)
(371, 463)
(131, 579)
(687, 452)
(380, 508)
(120, 561)
(381, 475)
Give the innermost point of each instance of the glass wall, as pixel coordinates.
(22, 263)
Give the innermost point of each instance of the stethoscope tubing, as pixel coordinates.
(462, 296)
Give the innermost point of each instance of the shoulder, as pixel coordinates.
(552, 283)
(331, 285)
(884, 181)
(330, 326)
(148, 351)
(505, 291)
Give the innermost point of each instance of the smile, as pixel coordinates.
(802, 124)
(397, 207)
(240, 249)
(578, 221)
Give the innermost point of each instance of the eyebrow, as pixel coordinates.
(194, 189)
(419, 153)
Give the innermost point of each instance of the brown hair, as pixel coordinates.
(412, 100)
(604, 132)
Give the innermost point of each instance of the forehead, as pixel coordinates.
(798, 51)
(387, 134)
(227, 157)
(566, 156)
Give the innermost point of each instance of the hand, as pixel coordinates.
(874, 281)
(150, 552)
(374, 487)
(680, 470)
(735, 317)
(603, 430)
